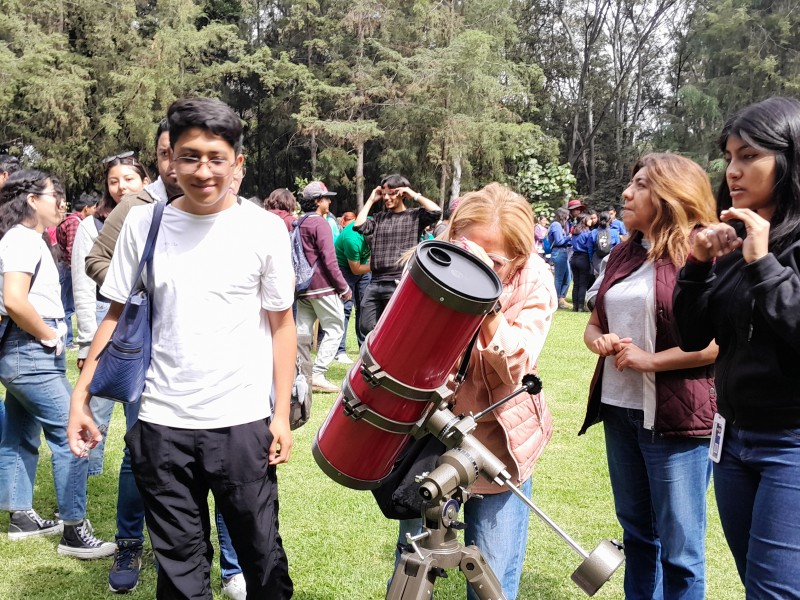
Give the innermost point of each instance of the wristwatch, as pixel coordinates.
(497, 308)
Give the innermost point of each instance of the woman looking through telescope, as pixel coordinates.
(496, 225)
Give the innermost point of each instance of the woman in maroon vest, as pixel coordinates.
(656, 402)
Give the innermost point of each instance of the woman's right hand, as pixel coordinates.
(714, 241)
(609, 344)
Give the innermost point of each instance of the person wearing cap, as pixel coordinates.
(328, 289)
(576, 209)
(83, 207)
(390, 234)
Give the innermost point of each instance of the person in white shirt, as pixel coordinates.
(223, 336)
(33, 370)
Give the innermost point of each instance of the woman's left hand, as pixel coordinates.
(633, 357)
(756, 244)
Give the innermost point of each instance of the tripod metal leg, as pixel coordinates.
(479, 574)
(416, 575)
(413, 578)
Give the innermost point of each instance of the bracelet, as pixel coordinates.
(417, 196)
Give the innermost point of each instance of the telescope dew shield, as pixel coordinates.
(427, 325)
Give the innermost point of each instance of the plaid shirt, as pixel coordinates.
(65, 236)
(390, 235)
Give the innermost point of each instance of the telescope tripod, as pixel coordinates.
(427, 556)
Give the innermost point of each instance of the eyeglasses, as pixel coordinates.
(114, 157)
(189, 165)
(498, 260)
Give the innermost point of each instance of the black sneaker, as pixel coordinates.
(79, 541)
(124, 574)
(27, 524)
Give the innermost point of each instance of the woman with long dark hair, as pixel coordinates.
(33, 370)
(560, 242)
(741, 286)
(656, 401)
(124, 174)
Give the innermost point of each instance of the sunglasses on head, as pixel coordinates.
(127, 154)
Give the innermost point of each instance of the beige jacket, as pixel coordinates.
(518, 431)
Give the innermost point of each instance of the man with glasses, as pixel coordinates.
(223, 334)
(390, 233)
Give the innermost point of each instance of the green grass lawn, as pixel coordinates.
(339, 545)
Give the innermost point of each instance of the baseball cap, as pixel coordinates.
(316, 189)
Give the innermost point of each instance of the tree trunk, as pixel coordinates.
(313, 154)
(443, 179)
(455, 186)
(360, 176)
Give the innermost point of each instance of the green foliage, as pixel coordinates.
(545, 186)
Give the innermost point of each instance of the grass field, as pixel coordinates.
(339, 545)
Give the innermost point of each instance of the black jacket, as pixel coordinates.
(753, 311)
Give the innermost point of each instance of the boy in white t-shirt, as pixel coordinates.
(223, 335)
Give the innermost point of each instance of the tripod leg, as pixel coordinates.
(413, 578)
(479, 574)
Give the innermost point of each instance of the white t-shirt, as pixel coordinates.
(20, 250)
(630, 309)
(211, 362)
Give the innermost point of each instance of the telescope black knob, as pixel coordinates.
(532, 383)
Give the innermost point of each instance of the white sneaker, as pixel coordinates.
(343, 359)
(320, 384)
(235, 587)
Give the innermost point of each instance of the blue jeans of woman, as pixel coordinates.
(659, 485)
(102, 408)
(37, 398)
(498, 525)
(562, 273)
(757, 485)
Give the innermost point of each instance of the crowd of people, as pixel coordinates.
(693, 305)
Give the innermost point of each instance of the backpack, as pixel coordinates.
(547, 246)
(602, 246)
(303, 271)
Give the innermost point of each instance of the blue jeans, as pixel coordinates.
(67, 299)
(498, 525)
(563, 275)
(102, 408)
(37, 398)
(228, 560)
(358, 284)
(757, 485)
(130, 507)
(659, 487)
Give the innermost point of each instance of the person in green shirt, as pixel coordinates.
(352, 254)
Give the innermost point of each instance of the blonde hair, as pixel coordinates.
(498, 207)
(682, 197)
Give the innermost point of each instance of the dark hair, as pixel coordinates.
(610, 208)
(162, 127)
(14, 207)
(205, 113)
(9, 164)
(281, 199)
(562, 214)
(308, 204)
(86, 199)
(107, 204)
(603, 218)
(772, 125)
(395, 181)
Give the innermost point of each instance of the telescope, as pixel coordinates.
(398, 390)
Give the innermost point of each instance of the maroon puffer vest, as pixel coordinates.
(685, 399)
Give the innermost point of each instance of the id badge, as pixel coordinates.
(717, 436)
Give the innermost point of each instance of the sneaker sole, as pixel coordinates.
(24, 535)
(88, 553)
(122, 590)
(324, 390)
